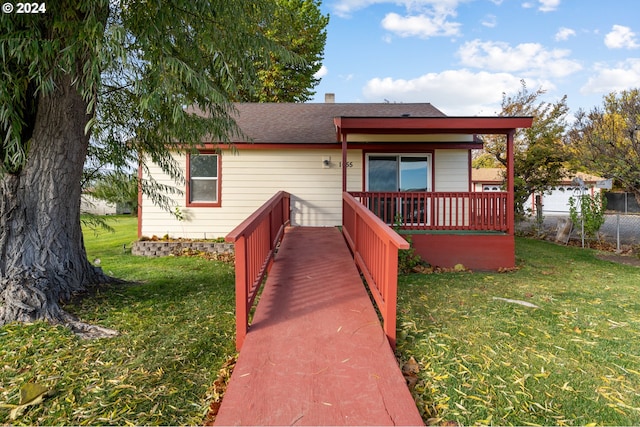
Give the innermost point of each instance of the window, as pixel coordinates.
(405, 172)
(204, 180)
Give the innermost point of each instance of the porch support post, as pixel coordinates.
(344, 161)
(510, 184)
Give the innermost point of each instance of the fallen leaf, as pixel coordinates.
(30, 394)
(411, 366)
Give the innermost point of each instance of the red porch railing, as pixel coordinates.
(375, 250)
(255, 240)
(439, 210)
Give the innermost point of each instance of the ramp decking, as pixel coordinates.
(316, 353)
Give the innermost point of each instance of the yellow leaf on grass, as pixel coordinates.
(30, 394)
(31, 391)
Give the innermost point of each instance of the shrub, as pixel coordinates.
(588, 210)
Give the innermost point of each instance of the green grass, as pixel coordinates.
(176, 327)
(575, 360)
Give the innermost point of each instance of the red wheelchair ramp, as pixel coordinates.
(316, 353)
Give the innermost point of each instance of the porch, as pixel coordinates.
(474, 229)
(445, 211)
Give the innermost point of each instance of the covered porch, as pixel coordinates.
(474, 229)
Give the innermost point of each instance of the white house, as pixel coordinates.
(406, 160)
(554, 202)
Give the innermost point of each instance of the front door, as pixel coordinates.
(400, 173)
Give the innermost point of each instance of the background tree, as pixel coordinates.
(539, 154)
(119, 188)
(120, 72)
(606, 140)
(485, 160)
(301, 28)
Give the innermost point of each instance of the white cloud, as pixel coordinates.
(323, 71)
(344, 8)
(621, 37)
(489, 21)
(624, 75)
(564, 33)
(455, 92)
(529, 59)
(346, 77)
(422, 25)
(423, 18)
(548, 5)
(544, 5)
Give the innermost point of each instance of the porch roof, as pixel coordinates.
(430, 125)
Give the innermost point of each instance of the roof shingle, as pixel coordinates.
(290, 123)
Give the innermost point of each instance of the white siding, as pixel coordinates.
(252, 177)
(89, 204)
(451, 168)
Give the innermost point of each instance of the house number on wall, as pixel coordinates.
(349, 164)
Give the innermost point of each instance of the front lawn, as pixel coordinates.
(176, 327)
(575, 360)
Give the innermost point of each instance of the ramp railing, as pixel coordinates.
(375, 248)
(256, 240)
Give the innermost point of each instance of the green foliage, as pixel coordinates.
(408, 259)
(540, 158)
(588, 211)
(137, 65)
(118, 188)
(300, 27)
(485, 160)
(606, 140)
(37, 52)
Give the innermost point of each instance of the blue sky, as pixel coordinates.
(462, 55)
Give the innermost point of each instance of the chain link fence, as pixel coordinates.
(618, 229)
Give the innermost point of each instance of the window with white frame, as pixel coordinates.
(204, 179)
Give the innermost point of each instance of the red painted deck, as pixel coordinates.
(316, 353)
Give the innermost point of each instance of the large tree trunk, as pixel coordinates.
(42, 255)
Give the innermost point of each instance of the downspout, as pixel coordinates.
(139, 195)
(510, 184)
(344, 161)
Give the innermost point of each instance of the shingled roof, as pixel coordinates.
(312, 123)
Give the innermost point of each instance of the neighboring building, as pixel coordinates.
(407, 162)
(554, 202)
(92, 205)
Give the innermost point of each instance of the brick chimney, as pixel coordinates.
(329, 98)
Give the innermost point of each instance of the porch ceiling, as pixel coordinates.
(430, 125)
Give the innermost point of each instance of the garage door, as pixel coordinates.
(558, 201)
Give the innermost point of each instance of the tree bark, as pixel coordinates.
(42, 257)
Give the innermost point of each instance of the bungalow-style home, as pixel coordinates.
(409, 163)
(554, 202)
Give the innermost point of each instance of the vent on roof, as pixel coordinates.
(329, 98)
(406, 115)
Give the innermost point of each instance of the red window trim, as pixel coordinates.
(217, 204)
